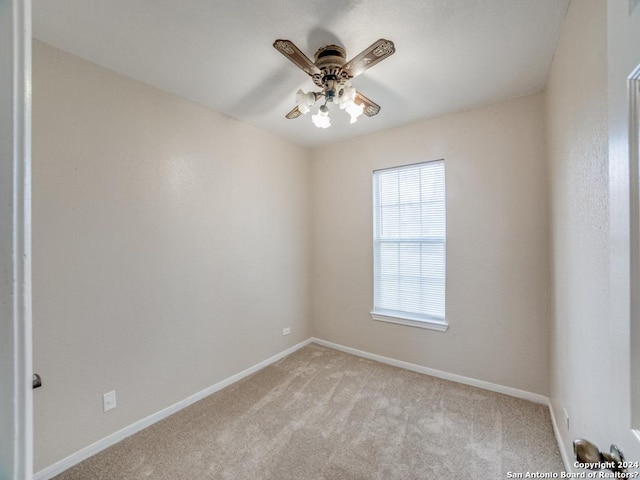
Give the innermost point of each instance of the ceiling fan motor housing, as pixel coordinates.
(330, 59)
(330, 56)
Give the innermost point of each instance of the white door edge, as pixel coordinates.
(16, 404)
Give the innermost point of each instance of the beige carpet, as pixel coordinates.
(323, 414)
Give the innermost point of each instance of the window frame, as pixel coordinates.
(395, 316)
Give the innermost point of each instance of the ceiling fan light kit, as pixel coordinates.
(332, 73)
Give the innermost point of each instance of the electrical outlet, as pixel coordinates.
(286, 331)
(109, 400)
(565, 414)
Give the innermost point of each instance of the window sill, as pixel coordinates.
(438, 325)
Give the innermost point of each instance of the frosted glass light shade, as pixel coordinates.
(305, 101)
(321, 119)
(355, 111)
(347, 97)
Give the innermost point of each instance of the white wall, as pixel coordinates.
(590, 226)
(170, 249)
(575, 101)
(497, 244)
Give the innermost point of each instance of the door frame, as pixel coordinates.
(623, 60)
(16, 396)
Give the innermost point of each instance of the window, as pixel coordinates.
(409, 242)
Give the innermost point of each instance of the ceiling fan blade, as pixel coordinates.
(370, 108)
(293, 53)
(369, 57)
(295, 113)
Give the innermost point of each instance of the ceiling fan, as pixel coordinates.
(332, 73)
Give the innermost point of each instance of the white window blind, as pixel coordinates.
(409, 244)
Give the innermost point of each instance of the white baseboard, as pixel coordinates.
(567, 460)
(75, 458)
(513, 392)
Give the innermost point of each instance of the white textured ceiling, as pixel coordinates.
(451, 55)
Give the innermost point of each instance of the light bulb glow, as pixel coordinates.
(355, 111)
(321, 119)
